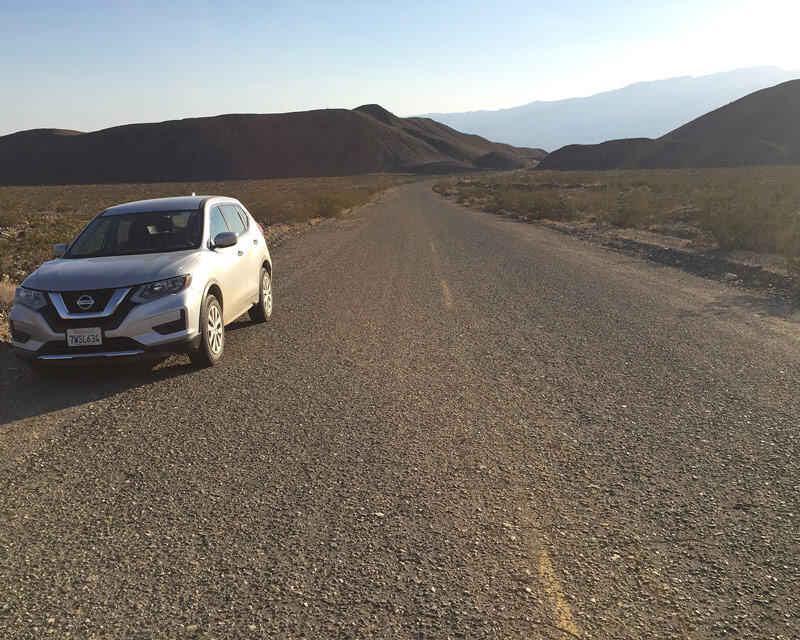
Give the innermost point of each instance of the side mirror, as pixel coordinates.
(225, 239)
(60, 249)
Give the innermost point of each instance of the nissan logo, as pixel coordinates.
(85, 302)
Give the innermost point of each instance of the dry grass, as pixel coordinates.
(751, 208)
(33, 219)
(6, 294)
(6, 300)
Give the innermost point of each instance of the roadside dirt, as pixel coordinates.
(680, 246)
(749, 269)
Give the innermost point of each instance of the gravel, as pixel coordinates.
(454, 426)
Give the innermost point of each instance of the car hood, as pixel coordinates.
(74, 274)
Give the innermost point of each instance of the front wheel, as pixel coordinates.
(261, 311)
(212, 334)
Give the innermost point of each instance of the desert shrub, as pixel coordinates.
(756, 208)
(11, 213)
(7, 289)
(789, 246)
(33, 219)
(537, 204)
(445, 187)
(593, 206)
(637, 207)
(471, 192)
(758, 218)
(329, 205)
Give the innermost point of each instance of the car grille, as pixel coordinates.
(99, 299)
(108, 323)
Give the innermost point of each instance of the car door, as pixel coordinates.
(256, 254)
(231, 268)
(239, 223)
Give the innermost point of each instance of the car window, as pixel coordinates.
(243, 216)
(232, 218)
(133, 233)
(216, 223)
(93, 238)
(123, 229)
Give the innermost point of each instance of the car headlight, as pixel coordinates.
(30, 298)
(148, 292)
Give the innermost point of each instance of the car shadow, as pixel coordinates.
(27, 394)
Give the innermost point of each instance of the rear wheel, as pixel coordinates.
(262, 310)
(212, 334)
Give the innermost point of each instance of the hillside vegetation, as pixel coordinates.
(754, 209)
(762, 128)
(33, 219)
(325, 142)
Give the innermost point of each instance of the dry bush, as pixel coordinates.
(754, 208)
(446, 187)
(533, 203)
(7, 289)
(33, 219)
(758, 217)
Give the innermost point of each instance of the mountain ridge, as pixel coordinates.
(643, 109)
(760, 128)
(323, 142)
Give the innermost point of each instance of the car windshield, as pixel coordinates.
(132, 233)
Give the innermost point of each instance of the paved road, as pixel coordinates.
(454, 426)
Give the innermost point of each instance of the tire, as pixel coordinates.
(261, 311)
(212, 334)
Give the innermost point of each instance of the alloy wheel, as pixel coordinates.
(266, 293)
(216, 329)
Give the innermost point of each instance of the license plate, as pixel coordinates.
(84, 337)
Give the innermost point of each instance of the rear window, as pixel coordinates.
(244, 217)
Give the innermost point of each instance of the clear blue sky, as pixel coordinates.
(88, 65)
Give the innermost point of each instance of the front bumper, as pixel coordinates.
(166, 324)
(129, 350)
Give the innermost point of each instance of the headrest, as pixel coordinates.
(164, 224)
(138, 231)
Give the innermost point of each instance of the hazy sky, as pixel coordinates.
(88, 65)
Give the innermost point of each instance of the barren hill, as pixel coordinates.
(761, 128)
(242, 146)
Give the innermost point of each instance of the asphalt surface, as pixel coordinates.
(455, 425)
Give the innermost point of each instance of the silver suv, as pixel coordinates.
(146, 277)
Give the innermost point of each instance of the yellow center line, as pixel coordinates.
(559, 609)
(558, 602)
(448, 299)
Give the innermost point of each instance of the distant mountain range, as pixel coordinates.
(645, 109)
(325, 142)
(761, 128)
